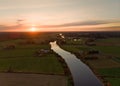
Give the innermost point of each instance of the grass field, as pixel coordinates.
(70, 48)
(110, 71)
(108, 50)
(22, 51)
(47, 64)
(23, 59)
(18, 79)
(111, 50)
(117, 59)
(114, 81)
(108, 40)
(104, 65)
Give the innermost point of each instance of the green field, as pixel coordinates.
(22, 51)
(47, 64)
(117, 59)
(114, 81)
(108, 40)
(110, 71)
(112, 50)
(105, 66)
(108, 50)
(24, 59)
(70, 48)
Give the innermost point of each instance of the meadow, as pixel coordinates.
(23, 57)
(108, 62)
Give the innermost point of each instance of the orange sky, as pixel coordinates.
(60, 15)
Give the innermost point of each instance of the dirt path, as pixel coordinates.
(15, 79)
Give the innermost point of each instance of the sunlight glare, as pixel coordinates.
(33, 29)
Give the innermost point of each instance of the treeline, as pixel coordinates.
(24, 35)
(93, 34)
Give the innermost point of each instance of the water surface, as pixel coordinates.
(81, 73)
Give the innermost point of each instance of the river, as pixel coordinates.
(81, 73)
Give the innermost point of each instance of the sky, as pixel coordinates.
(60, 15)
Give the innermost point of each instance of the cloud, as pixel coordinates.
(13, 28)
(98, 22)
(78, 26)
(111, 28)
(3, 27)
(85, 23)
(19, 25)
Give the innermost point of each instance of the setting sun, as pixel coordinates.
(33, 29)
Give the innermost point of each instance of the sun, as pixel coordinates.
(33, 29)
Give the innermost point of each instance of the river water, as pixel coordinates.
(81, 73)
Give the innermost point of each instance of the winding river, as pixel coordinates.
(81, 73)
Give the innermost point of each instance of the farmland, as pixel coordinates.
(106, 62)
(26, 56)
